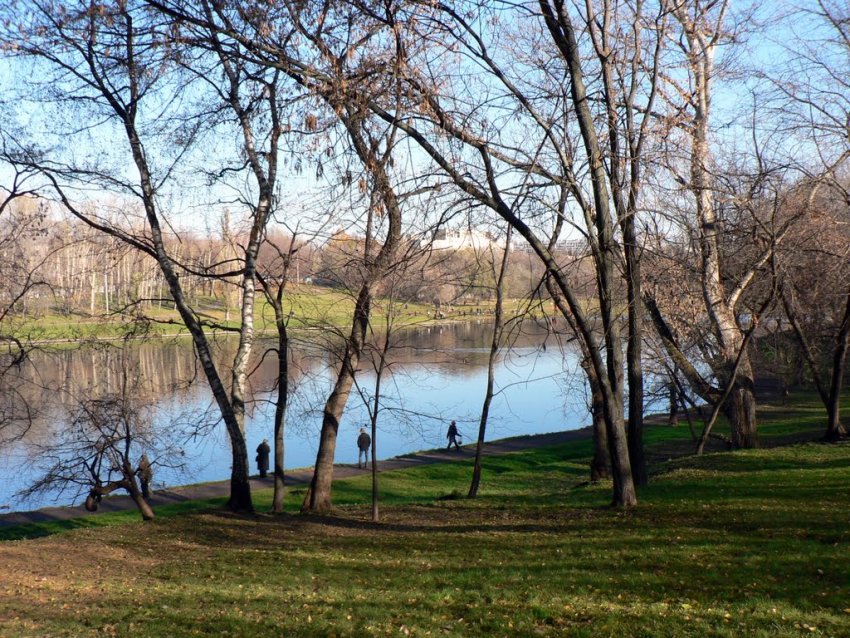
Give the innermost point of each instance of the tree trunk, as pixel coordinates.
(605, 255)
(634, 356)
(376, 515)
(673, 413)
(808, 355)
(835, 430)
(144, 507)
(275, 300)
(600, 466)
(374, 430)
(498, 322)
(618, 447)
(318, 497)
(129, 484)
(280, 412)
(740, 410)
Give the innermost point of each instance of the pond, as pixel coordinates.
(438, 373)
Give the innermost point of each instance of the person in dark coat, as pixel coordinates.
(145, 473)
(453, 435)
(263, 451)
(363, 443)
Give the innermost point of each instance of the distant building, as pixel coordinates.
(462, 239)
(466, 239)
(572, 247)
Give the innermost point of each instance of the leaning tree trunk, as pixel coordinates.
(240, 488)
(600, 464)
(831, 397)
(482, 425)
(144, 507)
(129, 484)
(318, 497)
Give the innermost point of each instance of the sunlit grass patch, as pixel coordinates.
(746, 543)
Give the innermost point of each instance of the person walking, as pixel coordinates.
(145, 473)
(363, 443)
(263, 451)
(453, 435)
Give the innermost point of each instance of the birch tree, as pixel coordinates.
(703, 27)
(120, 65)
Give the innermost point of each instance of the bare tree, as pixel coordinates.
(703, 28)
(336, 65)
(274, 278)
(577, 152)
(378, 353)
(814, 107)
(576, 159)
(23, 221)
(495, 345)
(813, 273)
(122, 63)
(100, 448)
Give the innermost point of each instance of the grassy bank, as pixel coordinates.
(748, 543)
(308, 307)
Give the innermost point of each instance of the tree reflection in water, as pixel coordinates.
(438, 375)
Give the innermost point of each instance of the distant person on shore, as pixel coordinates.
(263, 451)
(145, 473)
(453, 436)
(363, 443)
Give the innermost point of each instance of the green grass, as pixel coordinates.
(104, 519)
(748, 543)
(310, 307)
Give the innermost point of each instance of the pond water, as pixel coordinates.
(438, 373)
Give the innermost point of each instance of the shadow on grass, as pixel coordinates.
(50, 527)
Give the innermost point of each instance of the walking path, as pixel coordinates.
(296, 477)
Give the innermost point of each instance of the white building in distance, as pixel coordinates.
(463, 239)
(466, 239)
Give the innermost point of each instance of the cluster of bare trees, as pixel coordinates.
(612, 122)
(84, 272)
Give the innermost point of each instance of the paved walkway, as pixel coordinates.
(295, 478)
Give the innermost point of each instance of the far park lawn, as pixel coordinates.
(743, 544)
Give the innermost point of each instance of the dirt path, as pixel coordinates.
(297, 477)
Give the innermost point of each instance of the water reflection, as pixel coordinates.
(438, 373)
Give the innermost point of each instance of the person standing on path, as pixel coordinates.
(363, 443)
(453, 435)
(263, 451)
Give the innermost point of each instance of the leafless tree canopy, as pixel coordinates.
(668, 185)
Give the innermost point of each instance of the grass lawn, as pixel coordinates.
(308, 307)
(751, 543)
